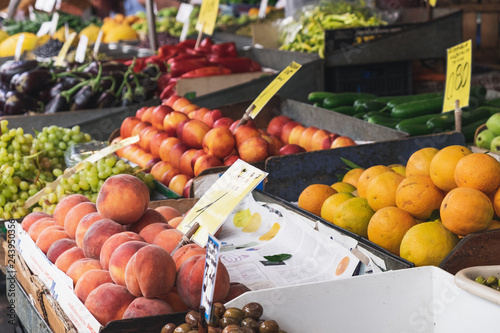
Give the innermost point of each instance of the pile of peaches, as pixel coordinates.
(178, 140)
(118, 252)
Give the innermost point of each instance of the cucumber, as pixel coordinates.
(359, 103)
(342, 99)
(418, 108)
(318, 104)
(478, 92)
(492, 109)
(373, 106)
(378, 114)
(319, 96)
(348, 110)
(470, 130)
(413, 129)
(493, 102)
(386, 99)
(359, 115)
(446, 121)
(412, 98)
(420, 120)
(384, 121)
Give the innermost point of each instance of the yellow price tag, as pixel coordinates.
(458, 76)
(221, 198)
(64, 50)
(432, 3)
(271, 90)
(207, 17)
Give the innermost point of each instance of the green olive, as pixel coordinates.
(169, 328)
(184, 328)
(253, 310)
(225, 321)
(250, 323)
(269, 326)
(235, 313)
(192, 318)
(219, 309)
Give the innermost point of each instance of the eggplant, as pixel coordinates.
(106, 100)
(57, 104)
(3, 97)
(19, 103)
(107, 67)
(34, 80)
(44, 95)
(12, 67)
(87, 96)
(65, 83)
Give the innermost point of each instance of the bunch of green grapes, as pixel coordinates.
(89, 180)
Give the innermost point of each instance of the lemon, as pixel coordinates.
(241, 218)
(120, 32)
(271, 233)
(91, 31)
(331, 204)
(8, 46)
(3, 35)
(354, 215)
(344, 187)
(253, 224)
(399, 168)
(427, 244)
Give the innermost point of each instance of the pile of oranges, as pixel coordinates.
(418, 211)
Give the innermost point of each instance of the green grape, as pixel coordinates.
(75, 188)
(57, 172)
(6, 215)
(32, 191)
(16, 215)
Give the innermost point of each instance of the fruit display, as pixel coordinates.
(415, 114)
(118, 252)
(232, 319)
(489, 137)
(418, 211)
(178, 140)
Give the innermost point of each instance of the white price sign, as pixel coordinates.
(45, 5)
(183, 15)
(209, 275)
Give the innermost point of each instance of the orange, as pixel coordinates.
(313, 196)
(352, 176)
(418, 196)
(343, 187)
(331, 203)
(465, 210)
(494, 225)
(381, 191)
(479, 171)
(442, 167)
(354, 215)
(368, 175)
(496, 202)
(399, 168)
(388, 226)
(420, 161)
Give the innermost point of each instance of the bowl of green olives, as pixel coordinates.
(482, 281)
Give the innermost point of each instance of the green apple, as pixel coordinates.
(495, 145)
(493, 123)
(484, 138)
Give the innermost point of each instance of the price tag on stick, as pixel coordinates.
(207, 17)
(97, 44)
(432, 3)
(55, 20)
(262, 9)
(19, 48)
(209, 275)
(183, 15)
(458, 76)
(65, 48)
(81, 49)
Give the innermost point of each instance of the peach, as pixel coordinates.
(295, 135)
(223, 122)
(150, 272)
(219, 142)
(127, 126)
(170, 101)
(176, 153)
(49, 235)
(166, 147)
(168, 239)
(168, 212)
(199, 153)
(140, 112)
(306, 137)
(276, 125)
(291, 149)
(59, 247)
(31, 218)
(65, 205)
(174, 300)
(147, 115)
(150, 232)
(83, 226)
(155, 143)
(142, 307)
(146, 161)
(112, 243)
(235, 124)
(75, 215)
(79, 267)
(123, 198)
(235, 289)
(273, 150)
(175, 221)
(190, 281)
(186, 192)
(97, 234)
(68, 257)
(321, 139)
(186, 252)
(108, 302)
(128, 151)
(120, 257)
(211, 117)
(190, 108)
(150, 216)
(253, 150)
(159, 114)
(244, 133)
(228, 161)
(167, 176)
(172, 120)
(198, 114)
(285, 131)
(342, 141)
(185, 165)
(159, 169)
(178, 182)
(89, 281)
(139, 127)
(145, 137)
(193, 132)
(205, 162)
(37, 227)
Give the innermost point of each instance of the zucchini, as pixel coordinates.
(319, 96)
(348, 110)
(359, 115)
(478, 92)
(318, 104)
(413, 129)
(418, 108)
(384, 121)
(342, 99)
(470, 130)
(412, 98)
(419, 120)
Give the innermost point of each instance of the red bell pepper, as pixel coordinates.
(205, 46)
(236, 64)
(187, 44)
(184, 56)
(224, 50)
(168, 91)
(163, 81)
(177, 68)
(206, 71)
(166, 52)
(155, 60)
